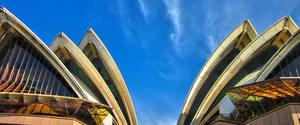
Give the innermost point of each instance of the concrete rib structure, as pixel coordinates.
(74, 53)
(253, 63)
(62, 86)
(228, 49)
(11, 25)
(279, 56)
(93, 47)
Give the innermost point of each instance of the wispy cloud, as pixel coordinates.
(212, 43)
(174, 12)
(124, 19)
(144, 9)
(220, 20)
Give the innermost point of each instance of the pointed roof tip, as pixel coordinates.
(247, 21)
(287, 16)
(60, 34)
(90, 29)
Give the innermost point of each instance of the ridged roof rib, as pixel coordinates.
(244, 56)
(9, 21)
(84, 63)
(234, 38)
(91, 40)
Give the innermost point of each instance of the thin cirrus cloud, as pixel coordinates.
(143, 8)
(174, 13)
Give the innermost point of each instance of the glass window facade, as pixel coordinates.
(216, 72)
(253, 100)
(27, 104)
(80, 75)
(254, 65)
(213, 76)
(93, 57)
(24, 70)
(289, 66)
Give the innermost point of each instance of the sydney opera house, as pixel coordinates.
(64, 84)
(249, 79)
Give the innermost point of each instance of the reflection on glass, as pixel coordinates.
(250, 101)
(25, 70)
(86, 112)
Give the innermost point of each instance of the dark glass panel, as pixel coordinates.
(25, 70)
(254, 64)
(79, 73)
(289, 66)
(213, 76)
(108, 80)
(86, 112)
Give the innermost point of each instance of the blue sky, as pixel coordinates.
(159, 45)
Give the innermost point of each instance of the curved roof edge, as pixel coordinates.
(210, 63)
(279, 56)
(240, 60)
(63, 41)
(113, 70)
(14, 22)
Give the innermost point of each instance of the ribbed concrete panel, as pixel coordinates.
(94, 49)
(62, 41)
(9, 23)
(233, 40)
(284, 25)
(279, 56)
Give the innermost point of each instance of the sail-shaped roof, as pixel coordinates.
(71, 51)
(276, 35)
(235, 42)
(92, 46)
(33, 49)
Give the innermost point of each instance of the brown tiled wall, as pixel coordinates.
(282, 116)
(37, 120)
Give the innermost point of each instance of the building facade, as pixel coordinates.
(248, 79)
(60, 84)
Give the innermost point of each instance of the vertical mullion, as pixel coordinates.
(19, 69)
(25, 70)
(58, 89)
(38, 80)
(30, 72)
(49, 79)
(53, 84)
(45, 76)
(6, 71)
(37, 68)
(12, 72)
(6, 57)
